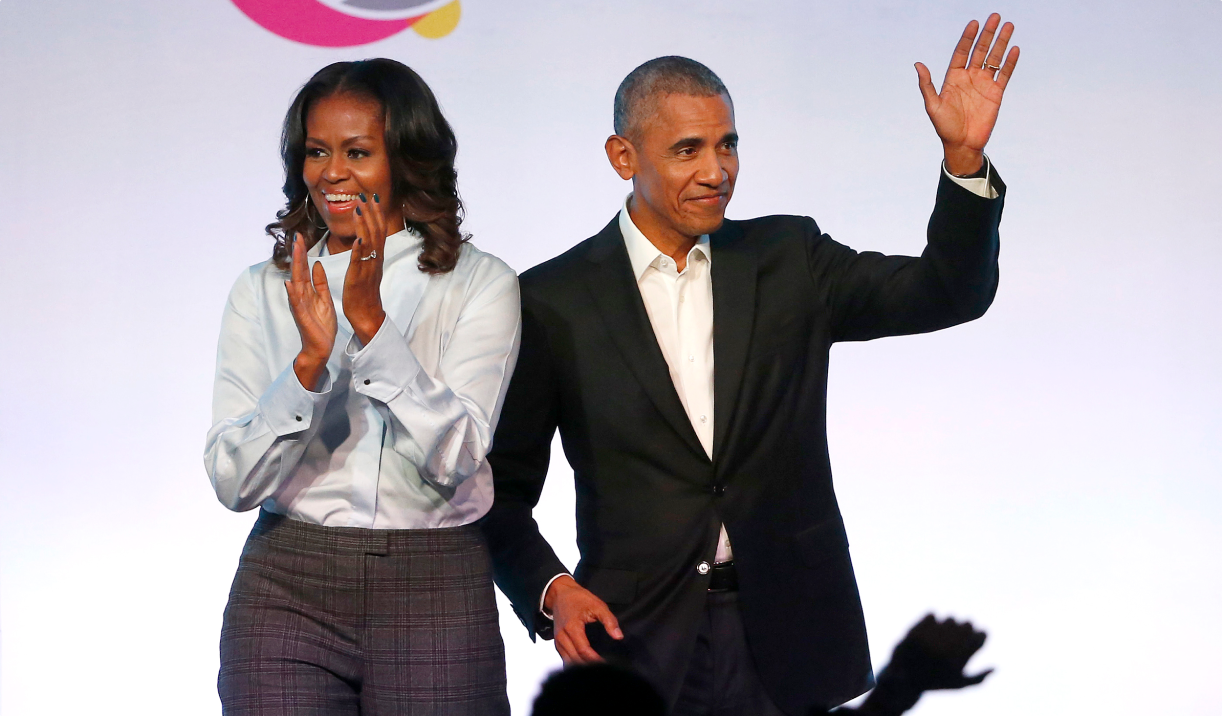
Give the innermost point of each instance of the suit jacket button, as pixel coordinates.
(703, 568)
(719, 490)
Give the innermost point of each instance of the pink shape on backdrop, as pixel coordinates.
(312, 23)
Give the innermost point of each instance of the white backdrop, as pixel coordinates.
(1051, 471)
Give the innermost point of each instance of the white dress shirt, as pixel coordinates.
(396, 436)
(680, 308)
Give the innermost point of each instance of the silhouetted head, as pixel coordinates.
(597, 690)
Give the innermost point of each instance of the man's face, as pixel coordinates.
(686, 162)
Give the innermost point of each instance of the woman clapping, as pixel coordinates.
(360, 374)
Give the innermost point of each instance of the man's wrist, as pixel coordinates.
(560, 581)
(963, 161)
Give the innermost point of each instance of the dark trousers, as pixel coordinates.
(339, 620)
(721, 679)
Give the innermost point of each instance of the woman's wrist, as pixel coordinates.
(309, 370)
(366, 329)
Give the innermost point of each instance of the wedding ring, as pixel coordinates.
(372, 255)
(995, 68)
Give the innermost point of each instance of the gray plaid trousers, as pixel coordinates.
(343, 620)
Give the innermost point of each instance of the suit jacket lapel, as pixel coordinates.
(735, 270)
(619, 302)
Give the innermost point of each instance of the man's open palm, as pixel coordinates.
(965, 110)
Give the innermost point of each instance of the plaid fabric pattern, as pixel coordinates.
(344, 620)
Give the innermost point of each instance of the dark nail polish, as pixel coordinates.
(358, 211)
(362, 197)
(376, 200)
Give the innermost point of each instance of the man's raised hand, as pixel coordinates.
(965, 110)
(314, 313)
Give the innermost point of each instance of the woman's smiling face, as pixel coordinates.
(346, 156)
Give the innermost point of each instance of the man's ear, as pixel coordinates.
(622, 156)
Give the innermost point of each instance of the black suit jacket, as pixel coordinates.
(650, 502)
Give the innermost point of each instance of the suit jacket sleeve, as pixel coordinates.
(523, 562)
(870, 295)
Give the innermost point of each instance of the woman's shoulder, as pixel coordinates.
(476, 263)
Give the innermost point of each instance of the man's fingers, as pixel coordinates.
(958, 60)
(610, 623)
(999, 47)
(580, 644)
(563, 647)
(1003, 77)
(986, 39)
(925, 82)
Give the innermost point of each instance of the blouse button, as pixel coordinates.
(299, 418)
(366, 381)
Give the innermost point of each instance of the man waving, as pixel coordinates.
(684, 359)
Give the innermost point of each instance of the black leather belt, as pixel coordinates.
(723, 577)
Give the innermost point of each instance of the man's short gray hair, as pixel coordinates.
(635, 100)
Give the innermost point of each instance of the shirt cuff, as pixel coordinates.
(543, 596)
(385, 366)
(288, 407)
(979, 183)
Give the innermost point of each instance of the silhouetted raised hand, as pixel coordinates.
(931, 657)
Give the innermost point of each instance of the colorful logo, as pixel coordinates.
(345, 23)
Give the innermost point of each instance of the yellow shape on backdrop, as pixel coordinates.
(439, 22)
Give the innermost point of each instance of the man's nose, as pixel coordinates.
(711, 172)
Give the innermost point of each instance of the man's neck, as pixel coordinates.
(664, 238)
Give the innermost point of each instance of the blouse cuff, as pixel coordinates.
(288, 407)
(385, 366)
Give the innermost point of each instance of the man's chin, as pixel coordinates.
(706, 226)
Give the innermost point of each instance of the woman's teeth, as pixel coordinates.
(340, 197)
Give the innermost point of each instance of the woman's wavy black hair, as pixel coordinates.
(419, 142)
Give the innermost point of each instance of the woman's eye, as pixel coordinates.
(313, 152)
(357, 153)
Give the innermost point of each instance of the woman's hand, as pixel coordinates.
(314, 314)
(363, 281)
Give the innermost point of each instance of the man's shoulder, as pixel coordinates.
(771, 227)
(766, 235)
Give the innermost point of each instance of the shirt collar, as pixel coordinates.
(641, 251)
